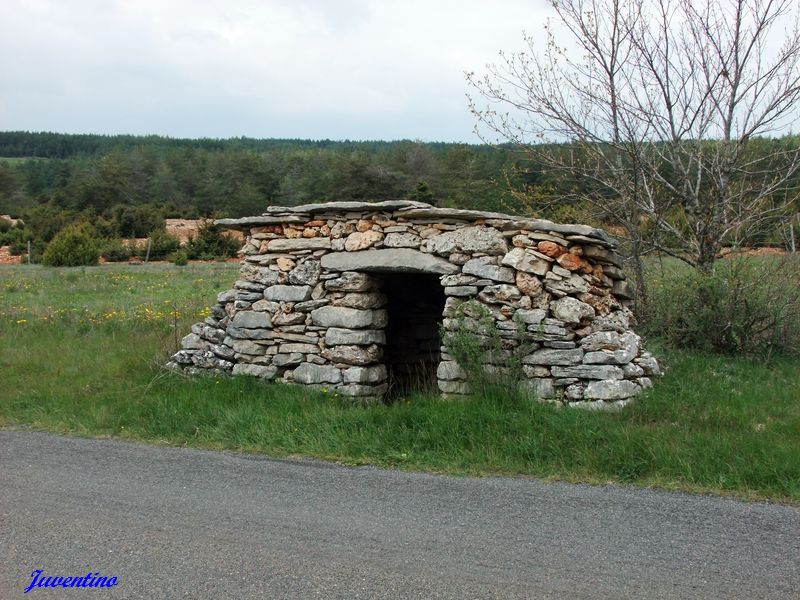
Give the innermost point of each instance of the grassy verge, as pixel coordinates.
(80, 352)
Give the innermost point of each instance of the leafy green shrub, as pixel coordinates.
(115, 250)
(744, 305)
(16, 236)
(73, 246)
(136, 221)
(474, 341)
(162, 245)
(211, 243)
(180, 258)
(18, 248)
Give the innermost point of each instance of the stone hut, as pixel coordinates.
(354, 297)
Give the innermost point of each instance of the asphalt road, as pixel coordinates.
(180, 523)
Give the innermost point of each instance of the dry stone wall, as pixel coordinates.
(351, 295)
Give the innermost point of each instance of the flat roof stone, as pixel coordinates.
(411, 210)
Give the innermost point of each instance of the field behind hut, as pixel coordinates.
(81, 351)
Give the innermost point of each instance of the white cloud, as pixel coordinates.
(303, 68)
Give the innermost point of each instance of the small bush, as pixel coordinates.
(18, 248)
(211, 243)
(162, 245)
(16, 236)
(743, 306)
(115, 250)
(73, 246)
(180, 258)
(475, 342)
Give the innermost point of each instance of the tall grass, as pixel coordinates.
(710, 424)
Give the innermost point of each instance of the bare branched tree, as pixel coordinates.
(663, 114)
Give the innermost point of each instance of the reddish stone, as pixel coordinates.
(364, 225)
(285, 264)
(291, 232)
(570, 261)
(586, 266)
(528, 284)
(550, 249)
(316, 223)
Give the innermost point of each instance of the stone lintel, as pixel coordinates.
(403, 260)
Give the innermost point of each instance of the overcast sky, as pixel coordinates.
(339, 69)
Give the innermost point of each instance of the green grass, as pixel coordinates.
(81, 349)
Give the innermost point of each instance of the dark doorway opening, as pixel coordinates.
(415, 303)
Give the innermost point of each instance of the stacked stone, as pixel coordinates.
(308, 306)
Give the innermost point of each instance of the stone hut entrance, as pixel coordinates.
(348, 297)
(415, 303)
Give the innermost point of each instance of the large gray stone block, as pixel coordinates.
(373, 374)
(354, 355)
(402, 240)
(350, 282)
(611, 389)
(501, 293)
(648, 364)
(363, 392)
(288, 293)
(618, 320)
(247, 347)
(462, 291)
(262, 275)
(573, 285)
(306, 273)
(450, 370)
(309, 373)
(249, 319)
(469, 239)
(551, 356)
(302, 348)
(360, 300)
(589, 372)
(225, 297)
(531, 317)
(571, 310)
(348, 318)
(193, 341)
(260, 371)
(281, 245)
(286, 360)
(486, 267)
(335, 336)
(627, 350)
(526, 261)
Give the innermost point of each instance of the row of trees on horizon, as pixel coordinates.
(125, 186)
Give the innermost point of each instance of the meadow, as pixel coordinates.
(82, 350)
